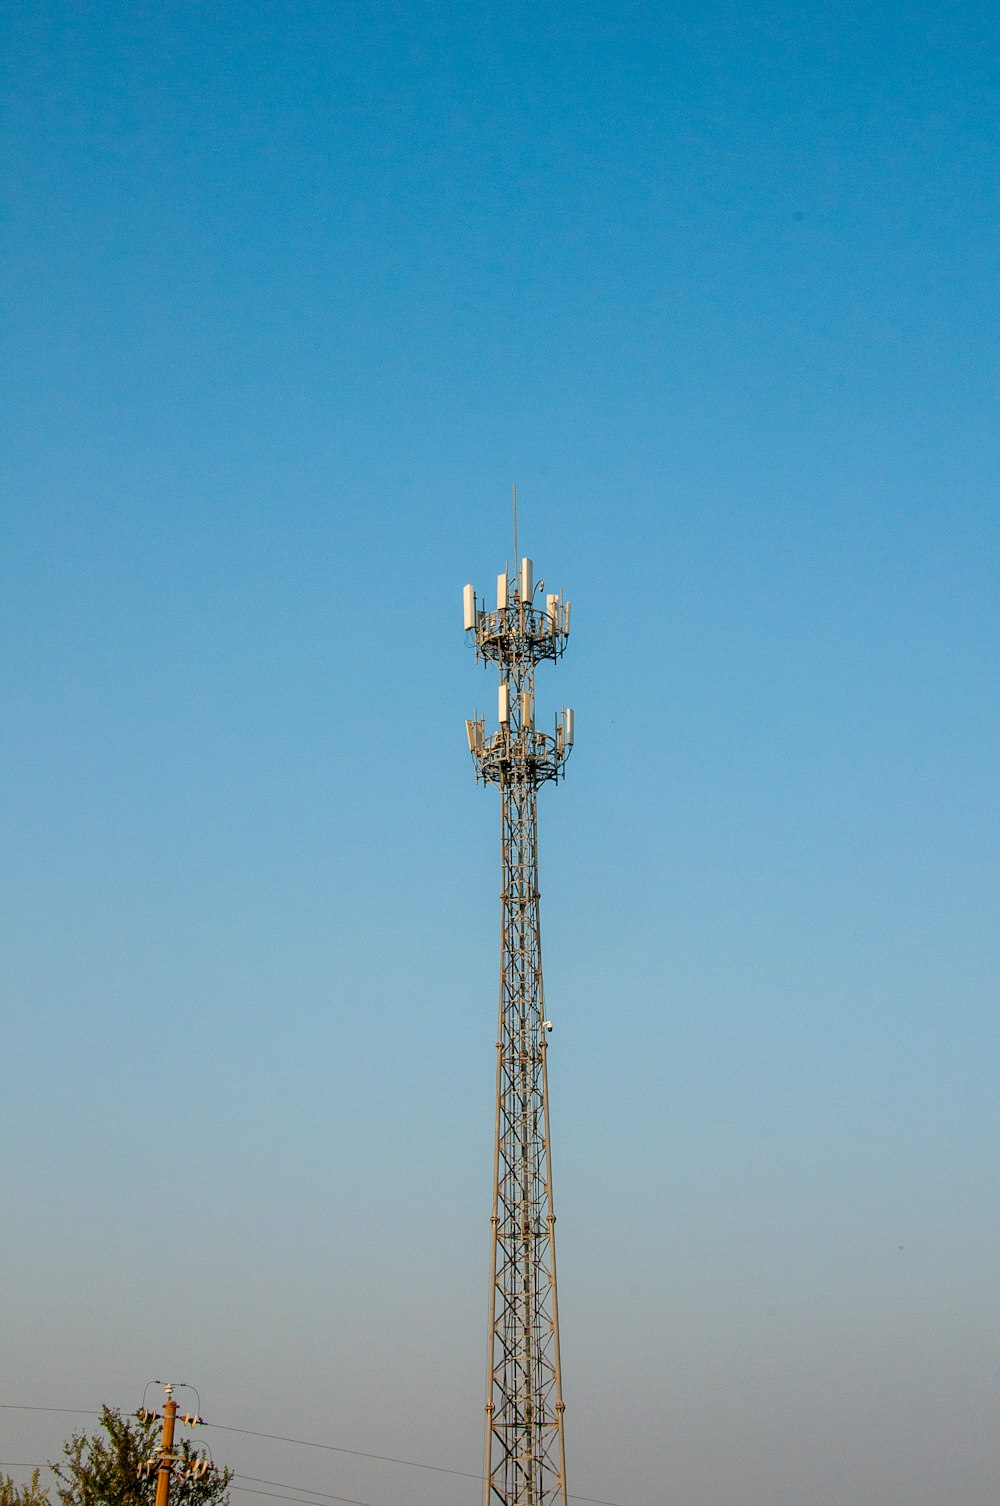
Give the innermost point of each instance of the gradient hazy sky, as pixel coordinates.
(293, 292)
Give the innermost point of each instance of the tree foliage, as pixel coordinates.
(102, 1468)
(33, 1493)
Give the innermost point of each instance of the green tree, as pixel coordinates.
(102, 1469)
(31, 1494)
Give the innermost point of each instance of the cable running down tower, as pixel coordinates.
(525, 1462)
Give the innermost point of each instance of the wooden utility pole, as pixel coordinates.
(162, 1462)
(166, 1444)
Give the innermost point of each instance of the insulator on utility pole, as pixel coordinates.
(197, 1469)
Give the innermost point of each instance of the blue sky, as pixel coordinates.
(293, 293)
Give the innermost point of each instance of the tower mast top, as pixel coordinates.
(523, 629)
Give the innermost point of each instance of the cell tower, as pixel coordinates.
(525, 1461)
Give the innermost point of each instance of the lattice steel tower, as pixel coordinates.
(525, 1454)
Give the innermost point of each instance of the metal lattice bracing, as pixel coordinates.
(525, 1454)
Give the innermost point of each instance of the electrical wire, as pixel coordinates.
(348, 1500)
(358, 1453)
(272, 1497)
(10, 1406)
(333, 1448)
(304, 1490)
(383, 1458)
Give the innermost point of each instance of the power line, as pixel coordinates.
(358, 1453)
(10, 1406)
(333, 1448)
(272, 1497)
(382, 1458)
(304, 1490)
